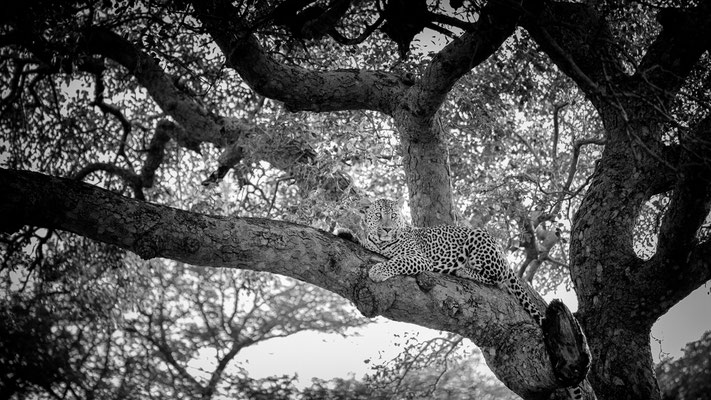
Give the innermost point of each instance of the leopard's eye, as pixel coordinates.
(394, 215)
(378, 216)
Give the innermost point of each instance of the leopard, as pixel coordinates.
(469, 253)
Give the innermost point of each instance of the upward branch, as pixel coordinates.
(299, 88)
(497, 21)
(186, 111)
(423, 143)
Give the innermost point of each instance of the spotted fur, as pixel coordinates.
(460, 251)
(464, 252)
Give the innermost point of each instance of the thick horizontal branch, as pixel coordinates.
(299, 88)
(491, 318)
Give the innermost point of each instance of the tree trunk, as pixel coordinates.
(603, 264)
(426, 163)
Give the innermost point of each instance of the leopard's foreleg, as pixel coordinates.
(399, 265)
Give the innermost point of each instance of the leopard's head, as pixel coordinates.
(383, 221)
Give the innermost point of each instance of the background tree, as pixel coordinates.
(582, 123)
(96, 330)
(442, 368)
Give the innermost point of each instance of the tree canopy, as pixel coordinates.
(238, 134)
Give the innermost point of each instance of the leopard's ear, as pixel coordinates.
(363, 204)
(400, 202)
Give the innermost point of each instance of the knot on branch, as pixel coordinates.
(366, 302)
(566, 345)
(192, 245)
(369, 303)
(336, 260)
(452, 307)
(147, 248)
(425, 281)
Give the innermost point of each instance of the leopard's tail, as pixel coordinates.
(515, 287)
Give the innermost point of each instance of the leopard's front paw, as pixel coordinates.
(378, 273)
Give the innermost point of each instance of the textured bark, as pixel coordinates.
(635, 163)
(422, 138)
(512, 343)
(602, 260)
(620, 296)
(426, 163)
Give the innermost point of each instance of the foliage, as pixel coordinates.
(97, 323)
(60, 310)
(688, 377)
(444, 367)
(342, 389)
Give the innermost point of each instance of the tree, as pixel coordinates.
(63, 338)
(440, 368)
(213, 315)
(198, 72)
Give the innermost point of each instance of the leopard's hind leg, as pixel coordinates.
(515, 287)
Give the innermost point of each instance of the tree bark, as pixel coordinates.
(422, 137)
